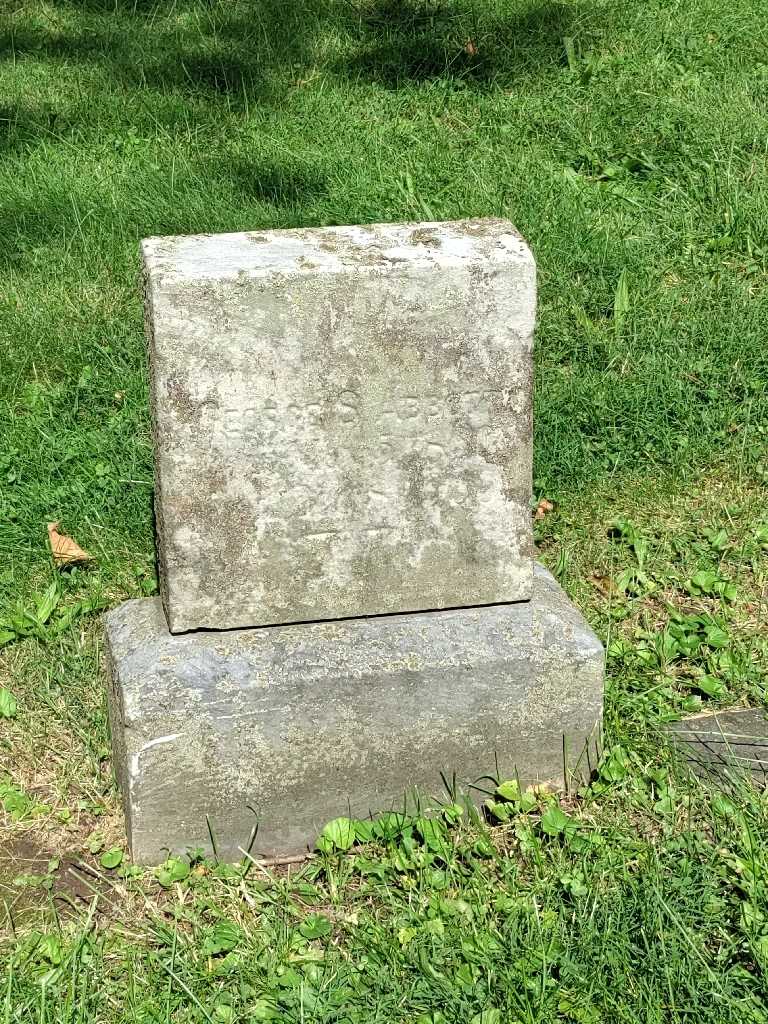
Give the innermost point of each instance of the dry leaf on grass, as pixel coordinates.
(64, 550)
(543, 508)
(604, 584)
(470, 47)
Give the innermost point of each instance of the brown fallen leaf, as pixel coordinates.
(543, 509)
(64, 550)
(470, 47)
(604, 584)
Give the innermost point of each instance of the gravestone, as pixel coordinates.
(350, 606)
(342, 421)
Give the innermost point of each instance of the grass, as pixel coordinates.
(642, 898)
(628, 143)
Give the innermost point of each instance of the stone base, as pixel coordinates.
(290, 726)
(723, 745)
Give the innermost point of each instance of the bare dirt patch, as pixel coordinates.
(37, 885)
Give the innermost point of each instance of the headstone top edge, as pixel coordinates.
(336, 249)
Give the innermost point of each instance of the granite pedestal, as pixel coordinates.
(290, 726)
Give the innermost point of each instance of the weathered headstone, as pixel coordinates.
(342, 421)
(343, 431)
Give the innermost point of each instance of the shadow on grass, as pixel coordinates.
(210, 60)
(404, 41)
(24, 124)
(55, 219)
(247, 49)
(166, 63)
(271, 182)
(147, 8)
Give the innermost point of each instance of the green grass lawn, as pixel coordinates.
(629, 144)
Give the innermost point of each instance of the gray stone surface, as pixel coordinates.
(296, 725)
(724, 744)
(342, 420)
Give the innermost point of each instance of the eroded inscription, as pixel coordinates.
(395, 417)
(415, 452)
